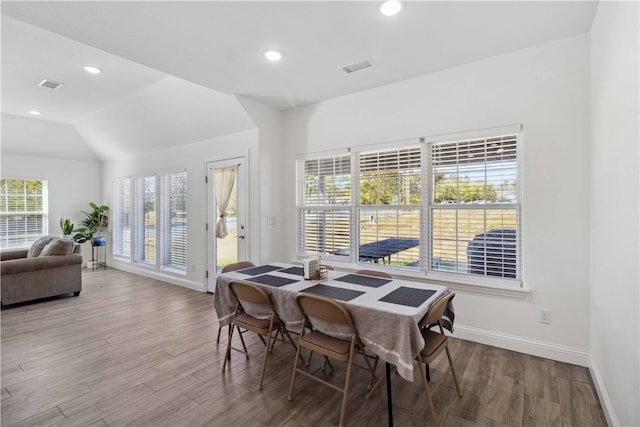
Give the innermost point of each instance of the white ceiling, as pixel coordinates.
(146, 47)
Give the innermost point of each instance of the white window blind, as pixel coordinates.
(474, 207)
(145, 223)
(389, 210)
(122, 217)
(324, 205)
(447, 206)
(23, 211)
(174, 224)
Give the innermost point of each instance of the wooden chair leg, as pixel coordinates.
(453, 371)
(244, 346)
(427, 392)
(267, 350)
(343, 410)
(227, 354)
(295, 370)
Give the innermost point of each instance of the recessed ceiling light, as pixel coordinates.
(34, 112)
(92, 69)
(273, 55)
(390, 8)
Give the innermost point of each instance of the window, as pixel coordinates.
(474, 208)
(23, 211)
(324, 205)
(389, 209)
(150, 219)
(447, 206)
(122, 217)
(146, 220)
(174, 224)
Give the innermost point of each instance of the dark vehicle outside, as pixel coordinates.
(493, 253)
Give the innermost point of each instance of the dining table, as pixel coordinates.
(386, 312)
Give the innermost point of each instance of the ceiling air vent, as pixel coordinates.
(50, 84)
(357, 67)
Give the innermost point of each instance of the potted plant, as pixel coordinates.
(95, 222)
(67, 228)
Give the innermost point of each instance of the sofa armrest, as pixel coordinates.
(13, 254)
(25, 265)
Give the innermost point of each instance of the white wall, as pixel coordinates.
(193, 158)
(615, 213)
(72, 185)
(269, 176)
(546, 88)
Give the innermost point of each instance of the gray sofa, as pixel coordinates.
(27, 277)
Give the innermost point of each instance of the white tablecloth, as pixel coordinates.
(388, 330)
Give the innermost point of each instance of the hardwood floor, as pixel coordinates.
(135, 351)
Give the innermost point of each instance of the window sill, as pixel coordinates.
(444, 279)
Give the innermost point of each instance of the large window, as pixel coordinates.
(146, 220)
(474, 208)
(174, 224)
(123, 216)
(150, 220)
(324, 205)
(23, 211)
(443, 206)
(389, 206)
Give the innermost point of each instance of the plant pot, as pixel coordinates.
(67, 236)
(98, 241)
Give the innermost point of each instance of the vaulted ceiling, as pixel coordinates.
(172, 69)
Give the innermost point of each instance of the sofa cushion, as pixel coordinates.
(58, 247)
(38, 246)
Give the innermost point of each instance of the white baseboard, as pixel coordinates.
(544, 349)
(605, 401)
(152, 274)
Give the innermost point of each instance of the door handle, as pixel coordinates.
(240, 237)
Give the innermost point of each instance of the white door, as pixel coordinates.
(226, 179)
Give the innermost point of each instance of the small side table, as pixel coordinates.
(98, 255)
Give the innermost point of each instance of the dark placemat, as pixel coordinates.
(294, 270)
(333, 292)
(261, 269)
(356, 279)
(411, 297)
(267, 279)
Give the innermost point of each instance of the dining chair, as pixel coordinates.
(264, 321)
(321, 313)
(226, 269)
(435, 341)
(375, 273)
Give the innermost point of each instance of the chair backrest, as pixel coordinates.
(324, 309)
(437, 310)
(237, 266)
(250, 293)
(374, 273)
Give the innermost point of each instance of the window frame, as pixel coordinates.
(26, 242)
(161, 234)
(118, 240)
(426, 207)
(165, 250)
(302, 207)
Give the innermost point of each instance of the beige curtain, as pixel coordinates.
(223, 181)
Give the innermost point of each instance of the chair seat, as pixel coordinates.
(321, 341)
(433, 342)
(247, 321)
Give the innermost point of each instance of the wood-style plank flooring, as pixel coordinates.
(135, 351)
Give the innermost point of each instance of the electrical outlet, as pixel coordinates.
(545, 316)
